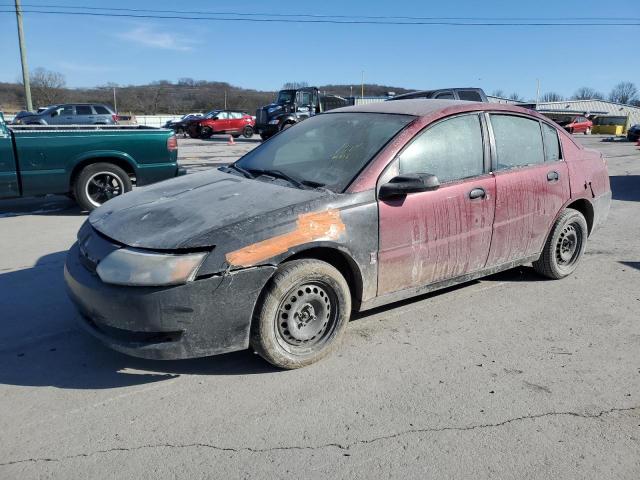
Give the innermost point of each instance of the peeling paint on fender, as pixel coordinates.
(309, 227)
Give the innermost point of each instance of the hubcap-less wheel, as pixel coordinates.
(568, 245)
(306, 317)
(103, 186)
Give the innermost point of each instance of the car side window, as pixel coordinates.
(469, 95)
(518, 141)
(67, 110)
(451, 150)
(101, 110)
(83, 110)
(552, 152)
(445, 95)
(236, 115)
(222, 116)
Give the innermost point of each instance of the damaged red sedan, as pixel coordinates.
(349, 210)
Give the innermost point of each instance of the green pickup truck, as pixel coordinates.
(90, 163)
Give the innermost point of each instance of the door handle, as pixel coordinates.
(553, 176)
(477, 193)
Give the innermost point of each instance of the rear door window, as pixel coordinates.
(445, 95)
(518, 141)
(83, 110)
(469, 95)
(552, 152)
(101, 110)
(450, 150)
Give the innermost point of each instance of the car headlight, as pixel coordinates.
(137, 268)
(274, 122)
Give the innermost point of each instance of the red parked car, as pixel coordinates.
(223, 121)
(578, 125)
(349, 210)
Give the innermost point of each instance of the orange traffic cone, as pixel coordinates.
(231, 141)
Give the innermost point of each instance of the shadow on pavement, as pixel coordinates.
(635, 265)
(625, 187)
(52, 205)
(41, 345)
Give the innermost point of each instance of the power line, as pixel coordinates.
(469, 23)
(308, 15)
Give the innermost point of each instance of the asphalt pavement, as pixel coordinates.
(512, 376)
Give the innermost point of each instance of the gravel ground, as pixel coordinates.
(511, 376)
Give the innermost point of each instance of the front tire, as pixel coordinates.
(98, 183)
(564, 247)
(302, 315)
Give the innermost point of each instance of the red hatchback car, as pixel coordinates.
(346, 211)
(578, 125)
(223, 121)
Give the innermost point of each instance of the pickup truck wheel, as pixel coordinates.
(564, 247)
(98, 183)
(304, 311)
(286, 125)
(247, 132)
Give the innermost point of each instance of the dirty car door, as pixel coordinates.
(530, 189)
(432, 236)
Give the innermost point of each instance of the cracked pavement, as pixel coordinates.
(511, 376)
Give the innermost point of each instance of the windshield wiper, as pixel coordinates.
(235, 167)
(279, 174)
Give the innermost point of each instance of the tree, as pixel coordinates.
(516, 97)
(47, 87)
(498, 93)
(624, 92)
(294, 85)
(586, 93)
(551, 97)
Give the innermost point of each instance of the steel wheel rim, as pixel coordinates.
(569, 245)
(103, 186)
(306, 317)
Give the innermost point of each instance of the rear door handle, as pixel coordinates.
(477, 193)
(553, 176)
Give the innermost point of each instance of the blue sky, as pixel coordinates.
(92, 51)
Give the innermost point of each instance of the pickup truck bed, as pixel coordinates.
(38, 160)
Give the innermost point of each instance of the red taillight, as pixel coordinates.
(116, 118)
(172, 143)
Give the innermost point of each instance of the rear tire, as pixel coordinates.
(247, 132)
(564, 247)
(302, 315)
(98, 183)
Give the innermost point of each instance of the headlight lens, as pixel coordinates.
(138, 268)
(274, 122)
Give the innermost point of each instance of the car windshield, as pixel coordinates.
(325, 151)
(286, 96)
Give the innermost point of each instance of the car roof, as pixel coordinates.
(420, 107)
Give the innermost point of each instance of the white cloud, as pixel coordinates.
(148, 37)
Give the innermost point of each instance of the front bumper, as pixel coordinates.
(201, 318)
(267, 129)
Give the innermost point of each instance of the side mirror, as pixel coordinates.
(404, 184)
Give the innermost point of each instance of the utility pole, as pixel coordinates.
(115, 102)
(537, 92)
(225, 99)
(362, 83)
(23, 57)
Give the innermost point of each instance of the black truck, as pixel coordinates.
(293, 106)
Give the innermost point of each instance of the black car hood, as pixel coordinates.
(188, 212)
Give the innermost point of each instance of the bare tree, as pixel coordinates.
(516, 97)
(498, 93)
(294, 85)
(551, 97)
(624, 92)
(586, 93)
(47, 87)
